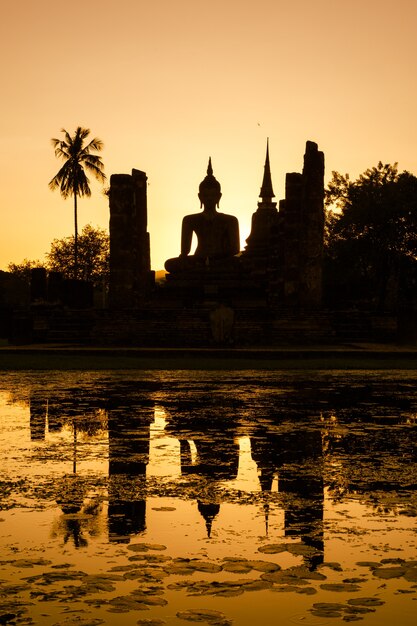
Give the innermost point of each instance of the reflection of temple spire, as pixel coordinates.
(208, 510)
(267, 193)
(266, 514)
(265, 480)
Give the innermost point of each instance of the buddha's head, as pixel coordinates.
(209, 189)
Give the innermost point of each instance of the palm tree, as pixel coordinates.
(71, 179)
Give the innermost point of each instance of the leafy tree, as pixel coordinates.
(22, 270)
(93, 255)
(373, 232)
(71, 179)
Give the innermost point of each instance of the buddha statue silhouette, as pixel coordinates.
(217, 233)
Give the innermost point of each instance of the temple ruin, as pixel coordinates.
(270, 293)
(220, 295)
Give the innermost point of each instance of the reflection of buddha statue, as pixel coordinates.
(217, 233)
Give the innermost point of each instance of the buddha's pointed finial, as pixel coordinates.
(267, 193)
(208, 527)
(209, 168)
(210, 181)
(208, 510)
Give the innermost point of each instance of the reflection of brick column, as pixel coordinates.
(129, 435)
(130, 264)
(38, 409)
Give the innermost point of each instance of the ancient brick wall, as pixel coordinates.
(130, 264)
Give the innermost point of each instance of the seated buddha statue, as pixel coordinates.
(217, 233)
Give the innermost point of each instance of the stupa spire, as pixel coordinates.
(267, 193)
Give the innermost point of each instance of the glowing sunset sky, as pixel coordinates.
(168, 83)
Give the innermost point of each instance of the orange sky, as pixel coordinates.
(166, 84)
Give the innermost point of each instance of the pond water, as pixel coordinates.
(208, 497)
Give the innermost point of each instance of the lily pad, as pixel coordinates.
(237, 568)
(29, 562)
(127, 603)
(286, 589)
(94, 587)
(340, 587)
(144, 547)
(179, 585)
(358, 610)
(264, 566)
(309, 591)
(229, 593)
(282, 577)
(365, 602)
(303, 572)
(76, 621)
(328, 606)
(300, 549)
(332, 565)
(327, 609)
(149, 558)
(411, 575)
(149, 600)
(181, 570)
(205, 566)
(257, 585)
(202, 615)
(389, 572)
(273, 548)
(371, 564)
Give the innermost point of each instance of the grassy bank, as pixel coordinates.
(298, 361)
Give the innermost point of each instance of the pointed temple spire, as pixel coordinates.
(267, 193)
(265, 219)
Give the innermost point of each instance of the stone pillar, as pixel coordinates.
(55, 280)
(303, 231)
(130, 264)
(38, 284)
(291, 211)
(313, 224)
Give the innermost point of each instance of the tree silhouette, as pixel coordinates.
(93, 255)
(71, 179)
(374, 232)
(22, 270)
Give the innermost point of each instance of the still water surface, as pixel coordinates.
(208, 497)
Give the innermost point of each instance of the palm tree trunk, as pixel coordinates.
(75, 237)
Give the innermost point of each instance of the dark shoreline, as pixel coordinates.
(341, 357)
